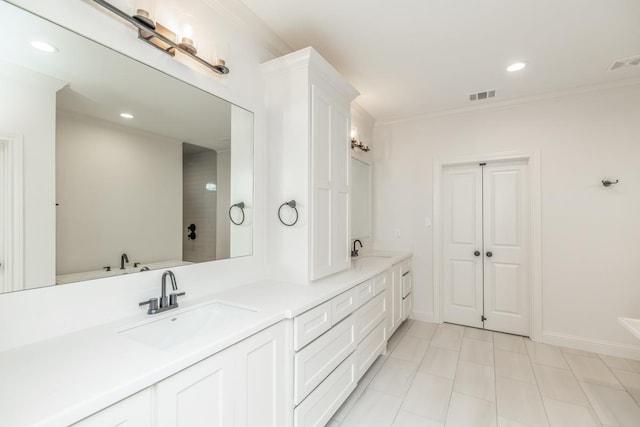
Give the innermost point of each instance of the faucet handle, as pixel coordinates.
(107, 268)
(153, 303)
(173, 298)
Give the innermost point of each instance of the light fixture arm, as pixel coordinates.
(142, 28)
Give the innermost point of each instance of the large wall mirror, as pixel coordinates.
(109, 166)
(360, 199)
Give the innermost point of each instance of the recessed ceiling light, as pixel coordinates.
(126, 115)
(43, 46)
(516, 66)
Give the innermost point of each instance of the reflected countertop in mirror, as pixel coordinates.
(115, 167)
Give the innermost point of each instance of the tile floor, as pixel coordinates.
(450, 375)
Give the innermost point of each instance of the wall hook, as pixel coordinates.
(608, 183)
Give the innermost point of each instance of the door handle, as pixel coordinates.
(477, 253)
(489, 254)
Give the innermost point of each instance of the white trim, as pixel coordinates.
(533, 158)
(423, 316)
(507, 103)
(13, 268)
(596, 346)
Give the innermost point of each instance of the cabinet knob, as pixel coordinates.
(477, 253)
(489, 254)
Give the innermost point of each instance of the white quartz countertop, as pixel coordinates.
(632, 325)
(60, 381)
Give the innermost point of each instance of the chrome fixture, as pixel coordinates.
(354, 252)
(124, 259)
(241, 206)
(162, 38)
(165, 302)
(608, 183)
(292, 205)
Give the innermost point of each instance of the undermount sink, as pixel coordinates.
(176, 328)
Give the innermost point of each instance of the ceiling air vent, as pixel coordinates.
(632, 61)
(479, 96)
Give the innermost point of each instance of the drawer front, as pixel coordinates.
(311, 324)
(380, 283)
(318, 359)
(324, 401)
(407, 306)
(405, 266)
(370, 348)
(369, 315)
(364, 292)
(407, 283)
(343, 305)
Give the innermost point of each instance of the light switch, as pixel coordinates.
(427, 222)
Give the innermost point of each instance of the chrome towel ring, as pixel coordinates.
(292, 205)
(239, 206)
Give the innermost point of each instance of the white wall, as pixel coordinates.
(590, 234)
(115, 188)
(52, 311)
(28, 109)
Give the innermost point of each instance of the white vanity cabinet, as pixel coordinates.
(132, 411)
(399, 294)
(308, 131)
(244, 385)
(371, 322)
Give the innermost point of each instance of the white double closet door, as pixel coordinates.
(485, 215)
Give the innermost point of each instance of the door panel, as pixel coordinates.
(462, 236)
(506, 225)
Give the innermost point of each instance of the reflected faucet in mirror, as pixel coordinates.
(124, 259)
(354, 252)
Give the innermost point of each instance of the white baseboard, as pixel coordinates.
(423, 316)
(596, 346)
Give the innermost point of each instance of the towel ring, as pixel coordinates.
(241, 207)
(292, 205)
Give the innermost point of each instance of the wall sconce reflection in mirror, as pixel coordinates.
(292, 205)
(241, 207)
(162, 38)
(608, 183)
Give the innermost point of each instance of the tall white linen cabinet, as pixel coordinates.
(308, 133)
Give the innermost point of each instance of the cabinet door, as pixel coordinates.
(264, 365)
(134, 411)
(341, 177)
(395, 299)
(201, 395)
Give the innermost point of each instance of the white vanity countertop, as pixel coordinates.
(62, 380)
(632, 325)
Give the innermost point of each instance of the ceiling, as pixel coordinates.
(414, 57)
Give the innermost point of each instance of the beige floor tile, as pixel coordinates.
(630, 381)
(422, 329)
(559, 384)
(592, 370)
(575, 351)
(478, 334)
(465, 411)
(515, 366)
(505, 422)
(375, 367)
(508, 342)
(520, 402)
(620, 363)
(373, 409)
(545, 354)
(480, 352)
(407, 419)
(428, 397)
(613, 407)
(411, 349)
(440, 362)
(562, 414)
(394, 377)
(475, 380)
(394, 340)
(343, 411)
(448, 337)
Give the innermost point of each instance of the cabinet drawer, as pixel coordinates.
(318, 359)
(380, 283)
(407, 306)
(370, 348)
(369, 315)
(364, 292)
(405, 266)
(311, 324)
(343, 305)
(407, 283)
(324, 401)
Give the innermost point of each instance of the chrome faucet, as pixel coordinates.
(166, 302)
(354, 252)
(123, 259)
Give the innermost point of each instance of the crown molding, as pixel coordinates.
(516, 101)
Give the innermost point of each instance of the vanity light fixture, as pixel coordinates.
(162, 38)
(126, 115)
(43, 46)
(357, 144)
(516, 66)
